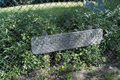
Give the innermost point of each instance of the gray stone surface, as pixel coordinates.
(46, 56)
(99, 1)
(44, 33)
(91, 6)
(88, 4)
(88, 27)
(51, 43)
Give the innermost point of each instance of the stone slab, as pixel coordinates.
(57, 42)
(90, 5)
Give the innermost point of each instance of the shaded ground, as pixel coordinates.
(96, 73)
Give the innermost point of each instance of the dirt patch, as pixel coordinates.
(95, 73)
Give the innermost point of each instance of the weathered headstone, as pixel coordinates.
(101, 7)
(88, 27)
(88, 4)
(51, 43)
(91, 6)
(46, 56)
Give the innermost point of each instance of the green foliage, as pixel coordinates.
(110, 4)
(11, 74)
(110, 76)
(68, 77)
(41, 77)
(18, 28)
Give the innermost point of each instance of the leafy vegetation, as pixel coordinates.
(19, 25)
(111, 76)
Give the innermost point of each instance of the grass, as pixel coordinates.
(44, 6)
(51, 8)
(55, 7)
(47, 9)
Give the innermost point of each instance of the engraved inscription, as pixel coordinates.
(51, 43)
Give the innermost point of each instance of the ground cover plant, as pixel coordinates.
(19, 24)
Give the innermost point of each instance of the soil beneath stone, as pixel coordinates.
(98, 73)
(95, 73)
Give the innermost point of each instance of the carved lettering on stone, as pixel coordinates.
(51, 43)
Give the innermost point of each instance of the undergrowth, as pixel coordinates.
(17, 29)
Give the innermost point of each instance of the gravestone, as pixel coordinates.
(91, 6)
(88, 4)
(101, 7)
(46, 56)
(51, 43)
